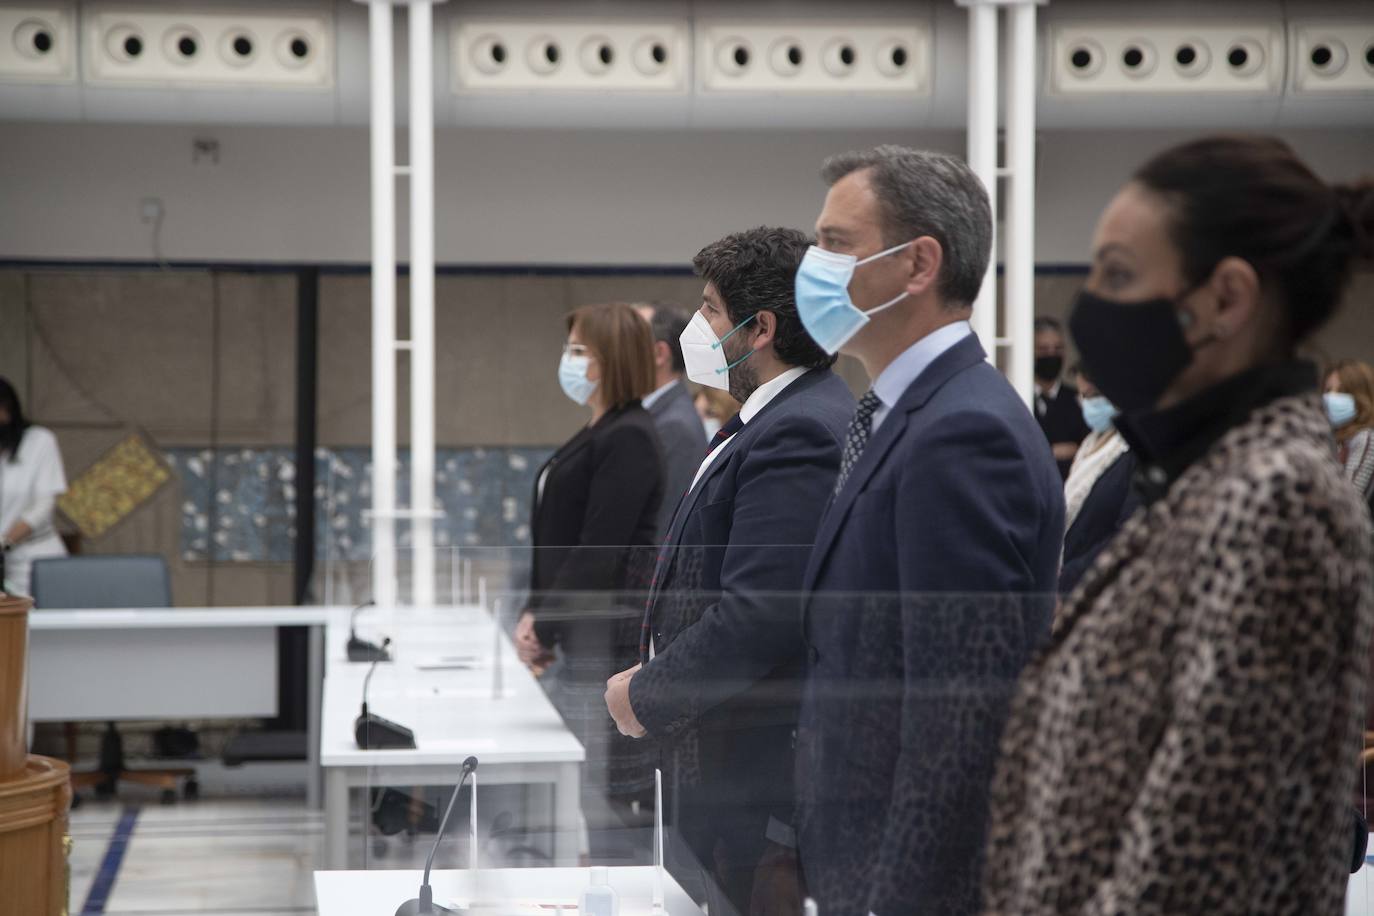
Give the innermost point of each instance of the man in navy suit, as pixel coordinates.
(932, 576)
(721, 655)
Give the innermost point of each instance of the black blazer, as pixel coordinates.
(931, 583)
(593, 528)
(1112, 500)
(723, 613)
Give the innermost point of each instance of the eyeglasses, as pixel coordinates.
(572, 349)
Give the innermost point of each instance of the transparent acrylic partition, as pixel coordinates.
(760, 718)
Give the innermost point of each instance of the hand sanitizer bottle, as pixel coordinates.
(600, 899)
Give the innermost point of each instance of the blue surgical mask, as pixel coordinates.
(1098, 413)
(572, 375)
(1340, 408)
(822, 293)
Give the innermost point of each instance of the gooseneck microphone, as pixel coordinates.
(370, 730)
(424, 904)
(360, 650)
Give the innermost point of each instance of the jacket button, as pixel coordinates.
(814, 654)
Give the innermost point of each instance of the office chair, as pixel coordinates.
(111, 582)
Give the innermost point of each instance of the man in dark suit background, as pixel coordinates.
(932, 576)
(721, 654)
(1056, 401)
(670, 404)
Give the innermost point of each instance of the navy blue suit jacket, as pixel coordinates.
(723, 611)
(932, 580)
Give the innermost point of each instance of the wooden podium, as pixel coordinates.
(35, 792)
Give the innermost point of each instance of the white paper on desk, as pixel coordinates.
(456, 693)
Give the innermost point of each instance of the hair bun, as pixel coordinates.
(1356, 201)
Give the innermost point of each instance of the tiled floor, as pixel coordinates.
(221, 857)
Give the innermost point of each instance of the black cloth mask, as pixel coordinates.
(1047, 368)
(1132, 351)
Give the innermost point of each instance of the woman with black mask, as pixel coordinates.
(1184, 743)
(31, 479)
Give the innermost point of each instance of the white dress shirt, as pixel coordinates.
(915, 359)
(655, 396)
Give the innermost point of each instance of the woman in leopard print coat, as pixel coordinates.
(1186, 742)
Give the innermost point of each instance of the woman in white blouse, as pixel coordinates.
(31, 479)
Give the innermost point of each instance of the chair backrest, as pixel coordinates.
(101, 581)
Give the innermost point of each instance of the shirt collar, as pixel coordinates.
(653, 397)
(893, 382)
(767, 392)
(1168, 442)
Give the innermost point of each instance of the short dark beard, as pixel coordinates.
(744, 378)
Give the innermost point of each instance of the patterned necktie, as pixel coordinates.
(732, 426)
(860, 428)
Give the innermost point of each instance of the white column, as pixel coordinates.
(1020, 225)
(383, 306)
(982, 149)
(422, 300)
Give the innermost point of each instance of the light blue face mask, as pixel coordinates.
(1098, 413)
(1340, 408)
(572, 375)
(822, 293)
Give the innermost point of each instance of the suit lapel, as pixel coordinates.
(967, 352)
(668, 553)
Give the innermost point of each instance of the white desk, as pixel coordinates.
(519, 737)
(170, 663)
(348, 893)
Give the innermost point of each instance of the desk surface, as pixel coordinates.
(453, 708)
(180, 617)
(345, 893)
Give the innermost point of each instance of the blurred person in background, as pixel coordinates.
(31, 479)
(1349, 401)
(715, 407)
(593, 525)
(1098, 496)
(1056, 401)
(1185, 743)
(680, 430)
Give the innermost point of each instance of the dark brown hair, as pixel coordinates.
(756, 271)
(1251, 197)
(1357, 380)
(12, 433)
(622, 343)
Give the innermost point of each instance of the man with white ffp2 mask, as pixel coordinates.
(720, 651)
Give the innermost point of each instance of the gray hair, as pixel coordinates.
(923, 193)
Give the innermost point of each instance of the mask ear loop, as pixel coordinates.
(720, 343)
(873, 257)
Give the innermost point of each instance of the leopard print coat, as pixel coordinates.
(1187, 741)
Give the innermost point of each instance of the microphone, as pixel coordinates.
(360, 650)
(370, 730)
(424, 904)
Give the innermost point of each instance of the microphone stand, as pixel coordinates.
(371, 731)
(360, 650)
(424, 904)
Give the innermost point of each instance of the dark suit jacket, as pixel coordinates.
(933, 578)
(1112, 500)
(683, 437)
(1063, 421)
(723, 614)
(593, 530)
